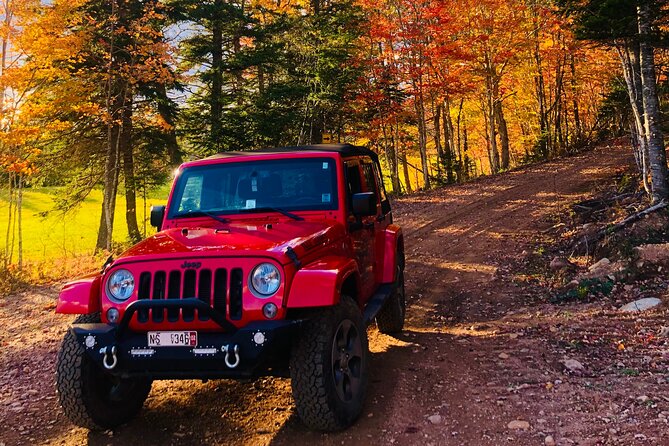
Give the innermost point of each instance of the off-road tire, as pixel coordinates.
(390, 319)
(84, 388)
(316, 390)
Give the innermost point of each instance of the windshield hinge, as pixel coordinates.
(108, 262)
(292, 255)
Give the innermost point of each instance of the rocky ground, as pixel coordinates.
(511, 337)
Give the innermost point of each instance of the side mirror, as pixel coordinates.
(364, 204)
(157, 216)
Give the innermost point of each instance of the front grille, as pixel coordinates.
(209, 286)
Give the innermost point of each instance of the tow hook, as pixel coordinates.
(235, 352)
(109, 352)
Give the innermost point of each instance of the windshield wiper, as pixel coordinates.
(273, 209)
(202, 213)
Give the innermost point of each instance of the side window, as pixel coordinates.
(368, 173)
(385, 203)
(353, 178)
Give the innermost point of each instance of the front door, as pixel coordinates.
(362, 229)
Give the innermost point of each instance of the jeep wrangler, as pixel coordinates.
(269, 262)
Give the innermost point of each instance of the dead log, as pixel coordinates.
(601, 203)
(611, 229)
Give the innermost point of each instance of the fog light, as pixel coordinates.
(90, 341)
(112, 315)
(269, 310)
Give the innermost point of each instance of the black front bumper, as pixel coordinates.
(260, 348)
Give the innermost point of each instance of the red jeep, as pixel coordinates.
(266, 263)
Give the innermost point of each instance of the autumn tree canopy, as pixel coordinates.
(114, 94)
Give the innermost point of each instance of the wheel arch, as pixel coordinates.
(393, 252)
(81, 296)
(330, 276)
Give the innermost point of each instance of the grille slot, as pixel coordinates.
(174, 292)
(204, 291)
(220, 286)
(189, 291)
(144, 292)
(159, 281)
(236, 286)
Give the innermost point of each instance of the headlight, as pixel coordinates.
(121, 284)
(265, 279)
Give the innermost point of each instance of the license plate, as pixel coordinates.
(172, 338)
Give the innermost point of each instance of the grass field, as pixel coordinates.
(61, 235)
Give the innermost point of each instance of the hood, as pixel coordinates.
(237, 239)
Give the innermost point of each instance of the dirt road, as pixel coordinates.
(481, 349)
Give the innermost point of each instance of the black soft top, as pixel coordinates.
(346, 150)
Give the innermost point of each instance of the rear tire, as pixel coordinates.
(390, 318)
(91, 397)
(329, 368)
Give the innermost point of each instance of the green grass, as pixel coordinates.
(61, 235)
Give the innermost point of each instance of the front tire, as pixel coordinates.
(91, 397)
(329, 368)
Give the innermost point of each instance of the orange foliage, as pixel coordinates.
(450, 49)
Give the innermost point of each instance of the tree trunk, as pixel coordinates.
(216, 100)
(574, 93)
(115, 95)
(449, 140)
(13, 235)
(405, 169)
(167, 113)
(628, 52)
(7, 22)
(129, 174)
(115, 105)
(391, 158)
(460, 165)
(558, 144)
(19, 207)
(541, 94)
(437, 138)
(422, 139)
(491, 97)
(465, 149)
(503, 133)
(656, 152)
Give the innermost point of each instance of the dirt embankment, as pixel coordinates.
(481, 362)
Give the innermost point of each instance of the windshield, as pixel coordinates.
(231, 188)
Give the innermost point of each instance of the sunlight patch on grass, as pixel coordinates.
(49, 234)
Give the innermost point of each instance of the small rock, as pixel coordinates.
(542, 421)
(573, 284)
(603, 263)
(559, 263)
(549, 441)
(664, 331)
(641, 305)
(435, 419)
(503, 356)
(573, 365)
(658, 253)
(642, 399)
(518, 425)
